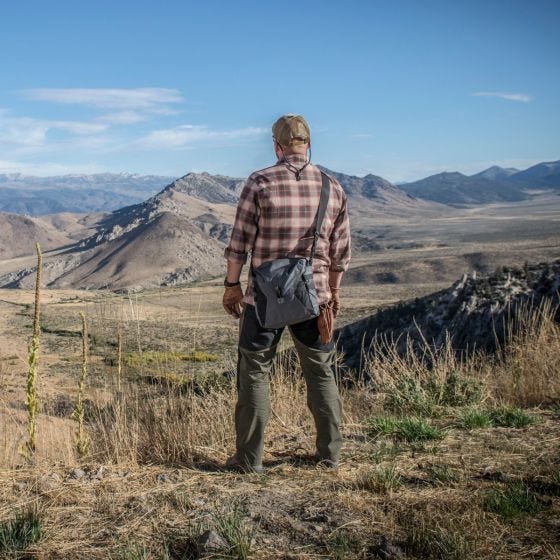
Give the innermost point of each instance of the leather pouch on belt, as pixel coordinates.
(325, 323)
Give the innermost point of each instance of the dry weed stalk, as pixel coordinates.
(32, 401)
(82, 439)
(119, 361)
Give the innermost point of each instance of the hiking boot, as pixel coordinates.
(234, 464)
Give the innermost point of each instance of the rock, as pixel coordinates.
(494, 474)
(20, 486)
(162, 477)
(389, 551)
(47, 484)
(99, 474)
(77, 474)
(210, 543)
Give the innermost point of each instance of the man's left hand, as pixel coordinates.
(233, 301)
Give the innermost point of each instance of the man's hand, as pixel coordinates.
(335, 300)
(233, 301)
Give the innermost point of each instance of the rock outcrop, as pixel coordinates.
(473, 312)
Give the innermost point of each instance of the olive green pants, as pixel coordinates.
(257, 348)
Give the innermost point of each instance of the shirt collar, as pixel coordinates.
(295, 159)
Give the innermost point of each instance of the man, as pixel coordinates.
(275, 219)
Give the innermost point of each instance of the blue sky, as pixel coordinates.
(401, 89)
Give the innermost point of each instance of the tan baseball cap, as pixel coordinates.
(291, 130)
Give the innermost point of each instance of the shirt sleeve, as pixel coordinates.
(245, 226)
(340, 243)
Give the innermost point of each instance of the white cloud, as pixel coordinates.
(522, 97)
(122, 117)
(361, 135)
(47, 169)
(25, 131)
(186, 135)
(109, 98)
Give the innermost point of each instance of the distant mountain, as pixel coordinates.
(176, 236)
(456, 189)
(542, 175)
(37, 196)
(495, 184)
(496, 173)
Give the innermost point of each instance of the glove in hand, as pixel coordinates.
(233, 301)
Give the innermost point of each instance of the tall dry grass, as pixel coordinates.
(180, 424)
(527, 369)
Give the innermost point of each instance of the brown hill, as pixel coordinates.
(20, 233)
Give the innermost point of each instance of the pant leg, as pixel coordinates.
(257, 348)
(323, 399)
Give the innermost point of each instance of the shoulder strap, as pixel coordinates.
(321, 211)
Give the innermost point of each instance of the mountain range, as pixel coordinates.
(173, 237)
(101, 192)
(495, 184)
(105, 192)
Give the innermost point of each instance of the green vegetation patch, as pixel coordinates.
(429, 539)
(443, 474)
(409, 429)
(473, 418)
(426, 396)
(510, 417)
(515, 500)
(381, 480)
(150, 357)
(17, 534)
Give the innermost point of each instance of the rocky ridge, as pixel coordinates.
(473, 312)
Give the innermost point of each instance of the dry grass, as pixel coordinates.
(155, 475)
(528, 372)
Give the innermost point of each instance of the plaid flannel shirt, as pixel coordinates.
(275, 219)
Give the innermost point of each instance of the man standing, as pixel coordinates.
(275, 219)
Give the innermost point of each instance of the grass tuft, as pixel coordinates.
(510, 417)
(409, 429)
(515, 500)
(232, 527)
(382, 480)
(17, 534)
(431, 540)
(474, 418)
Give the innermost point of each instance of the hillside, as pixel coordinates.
(20, 233)
(472, 312)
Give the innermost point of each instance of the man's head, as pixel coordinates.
(291, 135)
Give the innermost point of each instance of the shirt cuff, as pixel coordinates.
(235, 256)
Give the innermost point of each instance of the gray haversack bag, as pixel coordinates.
(284, 290)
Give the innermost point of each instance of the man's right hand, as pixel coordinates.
(233, 301)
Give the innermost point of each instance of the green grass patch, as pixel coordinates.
(231, 525)
(473, 419)
(429, 395)
(443, 474)
(151, 357)
(382, 480)
(343, 545)
(17, 534)
(510, 417)
(408, 429)
(515, 500)
(429, 539)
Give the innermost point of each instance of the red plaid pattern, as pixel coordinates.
(275, 218)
